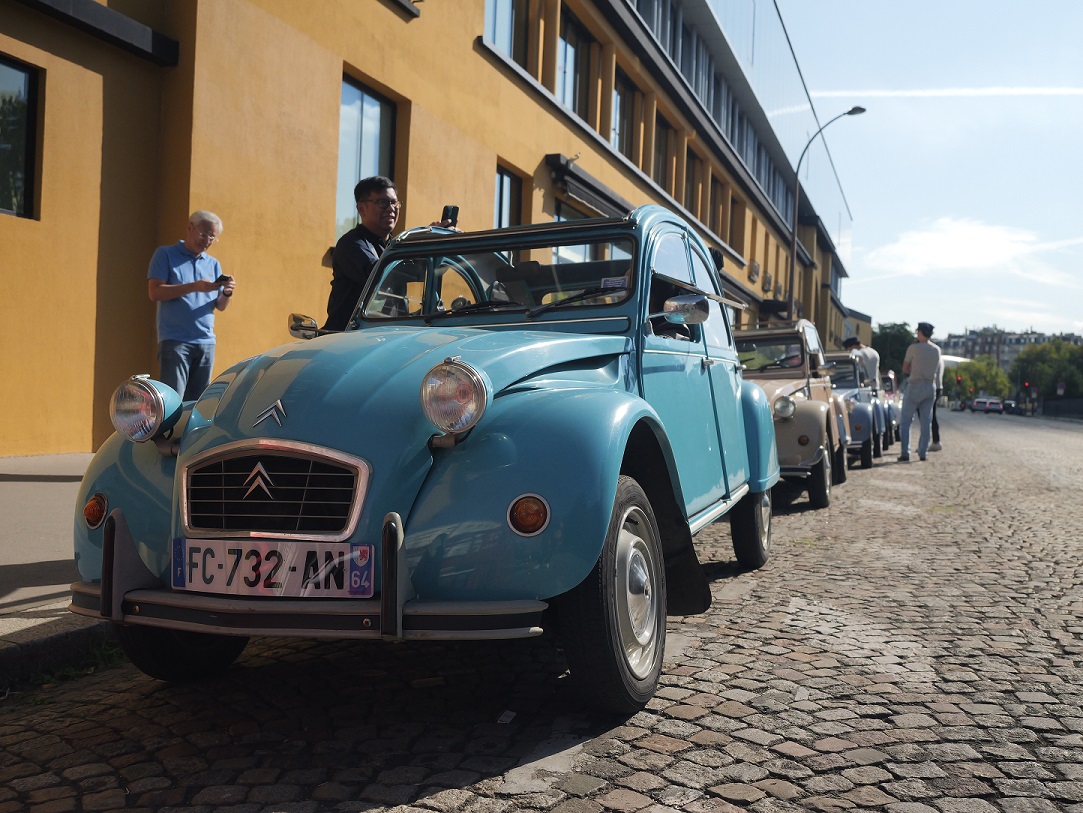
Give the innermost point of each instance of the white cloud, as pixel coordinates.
(969, 248)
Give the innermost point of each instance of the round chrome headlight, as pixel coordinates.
(141, 408)
(454, 396)
(785, 406)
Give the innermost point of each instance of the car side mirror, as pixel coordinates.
(303, 327)
(689, 309)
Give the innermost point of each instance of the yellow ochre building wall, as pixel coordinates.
(247, 125)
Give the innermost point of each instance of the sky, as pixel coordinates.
(965, 175)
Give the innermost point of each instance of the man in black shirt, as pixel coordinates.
(358, 250)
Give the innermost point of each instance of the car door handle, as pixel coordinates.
(706, 362)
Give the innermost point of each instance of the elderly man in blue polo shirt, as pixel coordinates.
(189, 286)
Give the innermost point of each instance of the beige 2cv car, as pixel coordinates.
(811, 425)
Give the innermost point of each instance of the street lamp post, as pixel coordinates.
(856, 110)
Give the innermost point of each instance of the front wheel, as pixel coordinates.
(819, 483)
(613, 624)
(876, 450)
(177, 656)
(750, 527)
(866, 454)
(886, 444)
(838, 471)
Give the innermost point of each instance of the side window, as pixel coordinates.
(366, 136)
(506, 27)
(18, 114)
(508, 202)
(816, 352)
(670, 260)
(715, 329)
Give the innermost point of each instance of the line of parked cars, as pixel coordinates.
(826, 413)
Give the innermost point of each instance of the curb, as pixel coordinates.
(46, 639)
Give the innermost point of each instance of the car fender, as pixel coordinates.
(139, 480)
(759, 438)
(808, 421)
(862, 423)
(565, 446)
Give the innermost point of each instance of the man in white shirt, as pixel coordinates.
(867, 358)
(923, 364)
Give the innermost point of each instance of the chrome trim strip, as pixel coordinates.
(711, 514)
(291, 448)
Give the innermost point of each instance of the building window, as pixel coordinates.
(18, 116)
(692, 169)
(573, 65)
(508, 208)
(624, 103)
(717, 206)
(366, 139)
(663, 137)
(506, 27)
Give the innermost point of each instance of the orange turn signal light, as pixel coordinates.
(95, 510)
(528, 515)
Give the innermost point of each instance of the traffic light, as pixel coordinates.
(1026, 384)
(958, 379)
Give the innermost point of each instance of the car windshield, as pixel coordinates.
(770, 353)
(843, 375)
(435, 284)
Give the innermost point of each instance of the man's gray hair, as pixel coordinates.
(201, 216)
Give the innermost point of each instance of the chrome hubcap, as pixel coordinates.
(638, 610)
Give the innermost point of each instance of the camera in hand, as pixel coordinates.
(450, 213)
(222, 279)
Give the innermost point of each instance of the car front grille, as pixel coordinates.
(273, 493)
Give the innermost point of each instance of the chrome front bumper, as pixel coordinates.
(130, 594)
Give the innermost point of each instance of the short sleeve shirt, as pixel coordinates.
(924, 358)
(189, 318)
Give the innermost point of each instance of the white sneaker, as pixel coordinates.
(936, 447)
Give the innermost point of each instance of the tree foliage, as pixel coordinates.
(890, 340)
(980, 376)
(1042, 366)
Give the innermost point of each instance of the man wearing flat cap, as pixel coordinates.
(867, 358)
(922, 364)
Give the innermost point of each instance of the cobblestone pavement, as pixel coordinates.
(918, 646)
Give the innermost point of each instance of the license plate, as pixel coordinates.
(273, 568)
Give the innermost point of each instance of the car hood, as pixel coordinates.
(341, 390)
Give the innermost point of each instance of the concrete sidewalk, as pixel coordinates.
(37, 632)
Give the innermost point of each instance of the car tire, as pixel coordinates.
(866, 454)
(179, 656)
(838, 470)
(613, 624)
(750, 527)
(886, 443)
(819, 483)
(877, 451)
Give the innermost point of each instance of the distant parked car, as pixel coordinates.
(978, 404)
(994, 405)
(811, 426)
(865, 427)
(1012, 408)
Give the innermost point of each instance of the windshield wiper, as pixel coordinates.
(590, 293)
(474, 307)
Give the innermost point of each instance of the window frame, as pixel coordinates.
(385, 147)
(26, 207)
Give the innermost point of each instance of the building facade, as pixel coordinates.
(123, 116)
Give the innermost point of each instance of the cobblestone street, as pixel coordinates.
(918, 646)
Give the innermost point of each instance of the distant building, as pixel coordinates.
(1002, 345)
